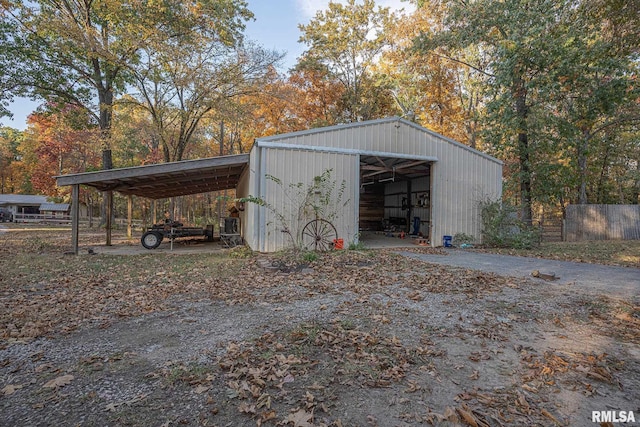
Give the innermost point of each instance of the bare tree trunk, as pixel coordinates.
(582, 167)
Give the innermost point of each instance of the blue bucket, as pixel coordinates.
(446, 241)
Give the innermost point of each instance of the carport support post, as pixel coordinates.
(109, 196)
(409, 207)
(129, 216)
(75, 216)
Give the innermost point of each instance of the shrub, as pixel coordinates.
(241, 252)
(309, 256)
(501, 227)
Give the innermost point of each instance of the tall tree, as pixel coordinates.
(519, 37)
(134, 138)
(180, 86)
(80, 52)
(347, 39)
(59, 141)
(317, 94)
(428, 87)
(10, 175)
(593, 88)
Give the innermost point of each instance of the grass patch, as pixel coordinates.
(610, 252)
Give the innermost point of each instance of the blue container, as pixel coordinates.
(446, 241)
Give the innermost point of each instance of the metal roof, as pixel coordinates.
(166, 179)
(22, 200)
(54, 207)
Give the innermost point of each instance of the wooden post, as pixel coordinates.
(109, 196)
(107, 163)
(154, 212)
(129, 216)
(409, 207)
(75, 217)
(220, 224)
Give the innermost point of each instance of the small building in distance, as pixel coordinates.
(20, 204)
(55, 210)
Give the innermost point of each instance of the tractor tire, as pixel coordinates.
(151, 239)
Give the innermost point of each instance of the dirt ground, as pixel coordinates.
(369, 338)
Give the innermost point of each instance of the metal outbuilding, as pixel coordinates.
(397, 175)
(392, 174)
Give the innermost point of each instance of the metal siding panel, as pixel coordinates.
(295, 166)
(249, 227)
(459, 179)
(454, 199)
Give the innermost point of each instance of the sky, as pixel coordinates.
(275, 27)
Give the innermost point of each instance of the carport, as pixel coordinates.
(155, 182)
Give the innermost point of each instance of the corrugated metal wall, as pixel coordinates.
(247, 186)
(460, 178)
(292, 167)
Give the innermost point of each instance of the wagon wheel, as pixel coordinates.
(318, 235)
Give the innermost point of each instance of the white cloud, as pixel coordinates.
(308, 8)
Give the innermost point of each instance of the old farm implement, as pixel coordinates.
(172, 230)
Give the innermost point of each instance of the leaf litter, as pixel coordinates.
(353, 338)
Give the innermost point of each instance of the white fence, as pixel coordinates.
(66, 220)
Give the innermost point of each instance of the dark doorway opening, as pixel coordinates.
(395, 197)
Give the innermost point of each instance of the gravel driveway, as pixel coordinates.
(620, 282)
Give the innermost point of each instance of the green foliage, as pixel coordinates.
(87, 53)
(241, 252)
(563, 87)
(501, 227)
(356, 246)
(347, 39)
(309, 256)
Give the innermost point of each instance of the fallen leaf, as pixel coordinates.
(246, 408)
(9, 389)
(201, 389)
(550, 416)
(450, 414)
(467, 417)
(59, 381)
(522, 401)
(43, 367)
(598, 377)
(301, 418)
(268, 415)
(412, 387)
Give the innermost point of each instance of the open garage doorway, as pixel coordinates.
(394, 202)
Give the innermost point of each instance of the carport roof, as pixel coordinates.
(166, 179)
